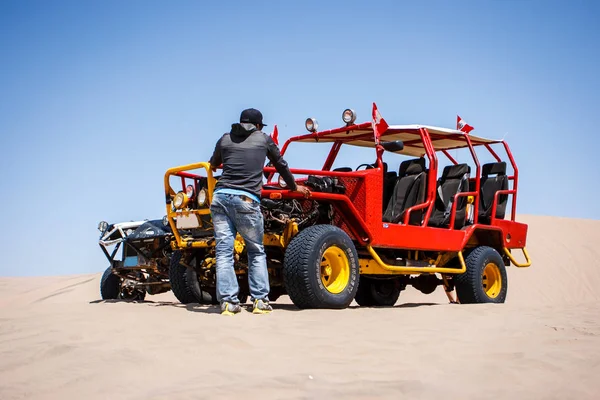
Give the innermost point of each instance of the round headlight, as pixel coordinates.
(202, 197)
(311, 124)
(180, 200)
(281, 182)
(189, 191)
(348, 116)
(165, 221)
(102, 226)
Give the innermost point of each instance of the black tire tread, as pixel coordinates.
(467, 284)
(385, 301)
(179, 280)
(296, 270)
(363, 295)
(110, 285)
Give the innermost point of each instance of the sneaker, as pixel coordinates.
(230, 308)
(261, 307)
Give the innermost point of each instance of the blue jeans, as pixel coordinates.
(231, 214)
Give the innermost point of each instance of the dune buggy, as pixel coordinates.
(139, 254)
(365, 233)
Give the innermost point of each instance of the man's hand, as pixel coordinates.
(303, 189)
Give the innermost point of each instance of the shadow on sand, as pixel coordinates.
(215, 309)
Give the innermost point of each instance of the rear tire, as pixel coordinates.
(485, 280)
(320, 268)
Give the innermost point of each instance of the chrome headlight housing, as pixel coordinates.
(180, 200)
(102, 226)
(202, 197)
(281, 182)
(165, 221)
(349, 116)
(311, 124)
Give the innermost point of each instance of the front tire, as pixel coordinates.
(320, 268)
(185, 284)
(485, 280)
(111, 287)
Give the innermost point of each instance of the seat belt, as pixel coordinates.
(441, 194)
(448, 209)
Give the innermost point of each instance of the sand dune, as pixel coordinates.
(58, 340)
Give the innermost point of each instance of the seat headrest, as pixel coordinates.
(455, 171)
(343, 169)
(414, 169)
(411, 167)
(497, 168)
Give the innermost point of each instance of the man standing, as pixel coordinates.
(235, 208)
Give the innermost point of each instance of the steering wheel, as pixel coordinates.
(368, 166)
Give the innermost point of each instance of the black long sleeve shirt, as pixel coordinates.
(243, 152)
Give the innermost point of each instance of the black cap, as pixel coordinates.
(253, 116)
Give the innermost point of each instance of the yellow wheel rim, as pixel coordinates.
(492, 280)
(335, 270)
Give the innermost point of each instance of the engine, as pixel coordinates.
(277, 213)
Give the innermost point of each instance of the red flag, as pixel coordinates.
(275, 135)
(378, 123)
(462, 125)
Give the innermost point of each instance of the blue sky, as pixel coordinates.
(99, 98)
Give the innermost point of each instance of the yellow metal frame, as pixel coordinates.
(270, 239)
(515, 262)
(378, 267)
(181, 243)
